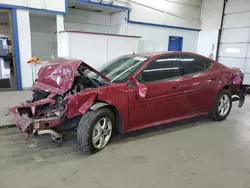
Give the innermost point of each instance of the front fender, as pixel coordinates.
(80, 103)
(98, 105)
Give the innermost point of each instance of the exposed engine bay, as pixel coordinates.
(56, 109)
(57, 100)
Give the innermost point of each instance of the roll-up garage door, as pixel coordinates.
(234, 48)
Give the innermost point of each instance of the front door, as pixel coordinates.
(164, 97)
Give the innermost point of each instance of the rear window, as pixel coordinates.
(194, 64)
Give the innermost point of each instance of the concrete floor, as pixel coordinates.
(9, 99)
(201, 154)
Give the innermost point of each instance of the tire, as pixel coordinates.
(87, 126)
(217, 113)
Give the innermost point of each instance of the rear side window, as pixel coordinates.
(161, 69)
(194, 64)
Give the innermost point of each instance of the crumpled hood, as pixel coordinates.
(58, 75)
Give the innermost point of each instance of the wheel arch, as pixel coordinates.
(118, 117)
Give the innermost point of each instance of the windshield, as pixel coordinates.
(120, 69)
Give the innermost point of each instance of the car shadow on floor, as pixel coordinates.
(44, 142)
(148, 132)
(162, 129)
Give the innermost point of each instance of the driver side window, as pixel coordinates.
(163, 68)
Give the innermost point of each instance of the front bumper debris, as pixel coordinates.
(240, 96)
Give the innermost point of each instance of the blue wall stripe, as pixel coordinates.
(161, 25)
(66, 7)
(16, 50)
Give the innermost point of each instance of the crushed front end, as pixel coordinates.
(42, 112)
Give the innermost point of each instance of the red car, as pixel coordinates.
(130, 93)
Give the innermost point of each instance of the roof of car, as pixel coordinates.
(148, 54)
(151, 54)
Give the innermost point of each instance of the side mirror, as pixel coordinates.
(141, 89)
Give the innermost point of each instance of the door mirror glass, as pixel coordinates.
(141, 89)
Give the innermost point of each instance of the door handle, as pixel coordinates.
(176, 86)
(213, 79)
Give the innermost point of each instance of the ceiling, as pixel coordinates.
(93, 7)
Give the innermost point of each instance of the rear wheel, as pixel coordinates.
(223, 106)
(95, 130)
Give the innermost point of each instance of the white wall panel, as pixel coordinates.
(166, 12)
(235, 6)
(143, 14)
(233, 50)
(87, 21)
(4, 31)
(182, 10)
(235, 35)
(174, 21)
(39, 4)
(237, 20)
(87, 27)
(156, 39)
(98, 49)
(83, 16)
(43, 39)
(63, 45)
(211, 14)
(248, 51)
(246, 79)
(232, 62)
(118, 46)
(118, 23)
(23, 24)
(90, 49)
(14, 2)
(207, 43)
(247, 66)
(56, 5)
(189, 2)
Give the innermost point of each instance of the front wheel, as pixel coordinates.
(95, 130)
(223, 106)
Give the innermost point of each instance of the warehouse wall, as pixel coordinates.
(23, 25)
(4, 31)
(211, 15)
(156, 39)
(182, 13)
(43, 39)
(235, 40)
(89, 21)
(54, 5)
(118, 22)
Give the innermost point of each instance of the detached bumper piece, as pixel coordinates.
(240, 96)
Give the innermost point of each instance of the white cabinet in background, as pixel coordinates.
(95, 48)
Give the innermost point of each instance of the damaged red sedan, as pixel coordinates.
(129, 93)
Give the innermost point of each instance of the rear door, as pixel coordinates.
(164, 97)
(199, 82)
